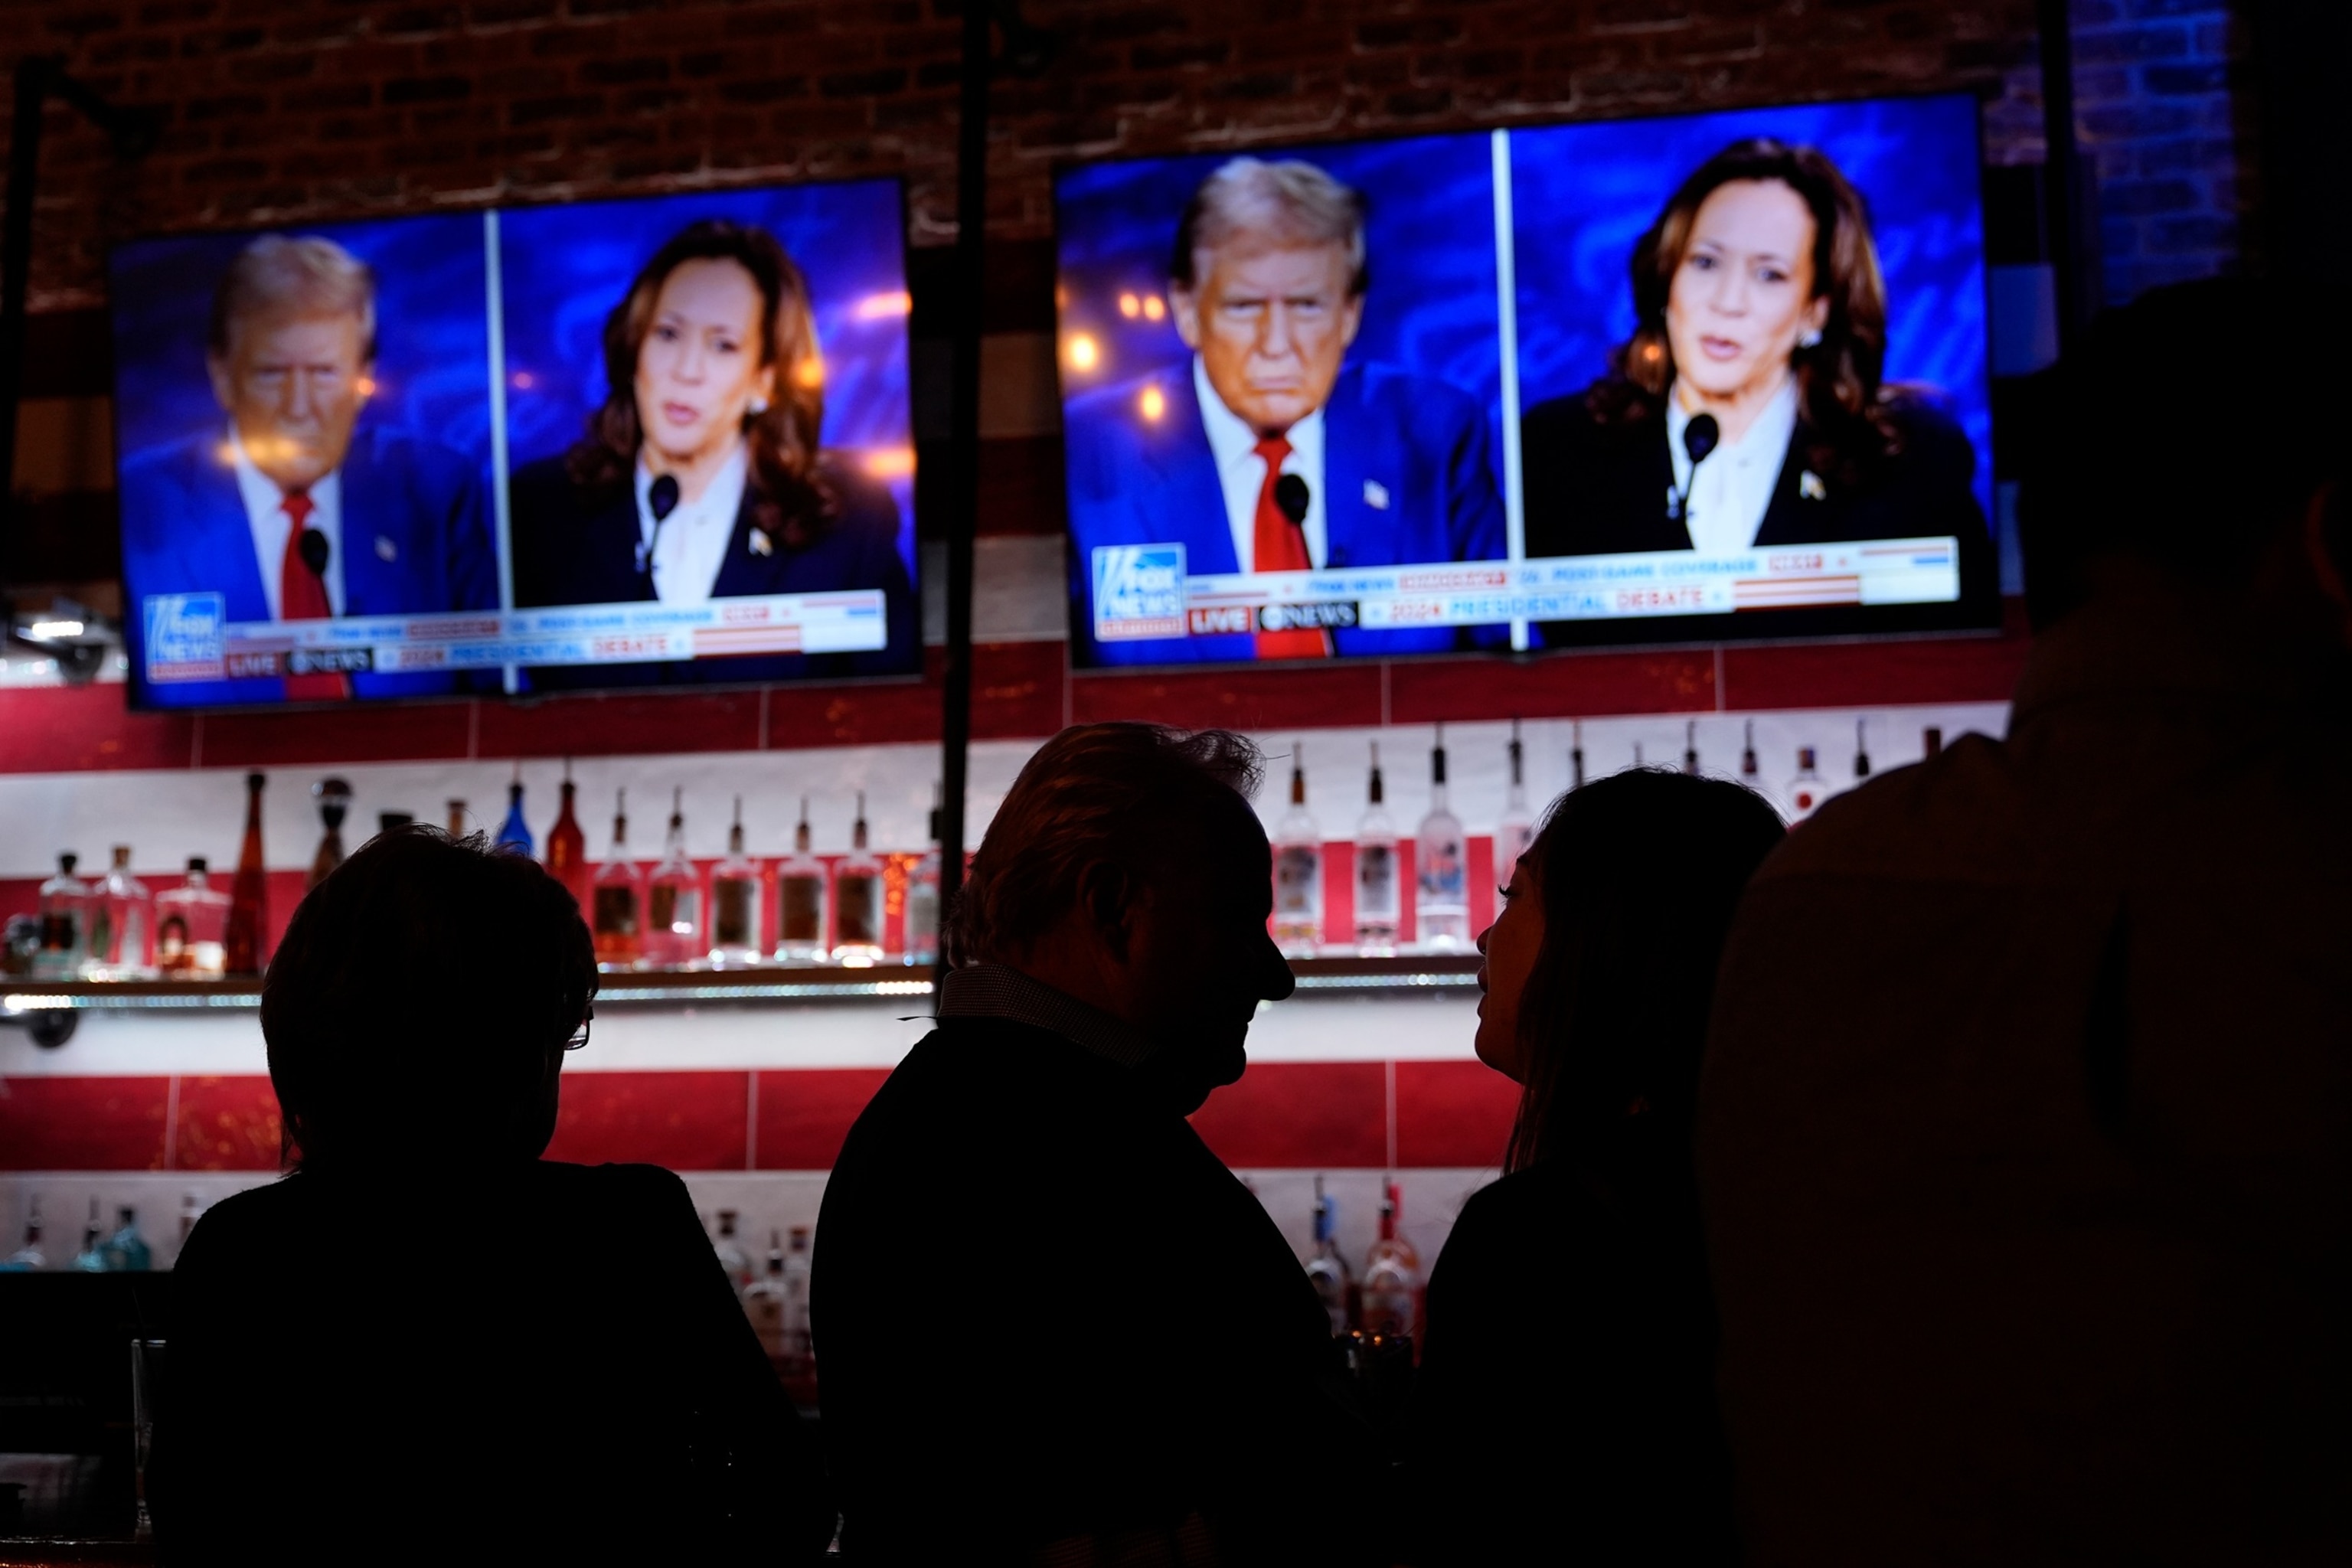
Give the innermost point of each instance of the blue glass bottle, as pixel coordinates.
(126, 1251)
(515, 833)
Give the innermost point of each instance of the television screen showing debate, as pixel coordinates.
(653, 441)
(1710, 377)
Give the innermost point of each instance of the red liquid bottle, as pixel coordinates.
(567, 848)
(248, 908)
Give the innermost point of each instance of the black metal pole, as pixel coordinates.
(2062, 173)
(34, 76)
(964, 510)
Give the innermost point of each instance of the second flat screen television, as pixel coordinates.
(1695, 378)
(657, 441)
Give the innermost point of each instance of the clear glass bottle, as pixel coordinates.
(857, 900)
(735, 903)
(1392, 1285)
(1441, 867)
(567, 847)
(334, 798)
(801, 900)
(732, 1255)
(766, 1304)
(248, 903)
(619, 898)
(28, 1258)
(800, 1356)
(92, 1258)
(514, 833)
(1690, 746)
(122, 919)
(126, 1251)
(673, 938)
(1327, 1270)
(1575, 756)
(192, 1209)
(1376, 870)
(1298, 868)
(1517, 828)
(64, 953)
(192, 927)
(922, 918)
(1808, 789)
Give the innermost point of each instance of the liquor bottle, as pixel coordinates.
(1298, 868)
(1575, 756)
(674, 937)
(1441, 866)
(28, 1258)
(1808, 789)
(514, 833)
(1517, 828)
(121, 916)
(192, 1209)
(334, 798)
(800, 899)
(1750, 772)
(799, 1354)
(1392, 1285)
(456, 819)
(64, 953)
(1860, 751)
(765, 1303)
(126, 1251)
(192, 927)
(567, 847)
(857, 900)
(619, 897)
(1376, 871)
(1690, 746)
(393, 821)
(248, 904)
(732, 1255)
(922, 919)
(735, 902)
(92, 1258)
(1327, 1270)
(1931, 743)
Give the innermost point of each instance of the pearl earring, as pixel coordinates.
(1810, 338)
(759, 404)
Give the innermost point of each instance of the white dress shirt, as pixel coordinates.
(1234, 443)
(690, 545)
(264, 513)
(1737, 481)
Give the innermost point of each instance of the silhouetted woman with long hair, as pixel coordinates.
(1565, 1409)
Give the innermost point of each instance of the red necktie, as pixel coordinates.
(1281, 546)
(302, 597)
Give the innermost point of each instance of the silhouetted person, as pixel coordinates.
(2026, 1138)
(1052, 1327)
(428, 1343)
(1565, 1409)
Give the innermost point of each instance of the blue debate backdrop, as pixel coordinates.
(1582, 195)
(563, 269)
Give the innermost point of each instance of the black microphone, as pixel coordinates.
(1700, 437)
(663, 494)
(314, 547)
(1290, 494)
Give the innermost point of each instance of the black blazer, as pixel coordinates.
(1043, 1310)
(545, 1363)
(1565, 1409)
(1600, 490)
(576, 544)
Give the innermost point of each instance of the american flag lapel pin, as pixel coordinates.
(1810, 486)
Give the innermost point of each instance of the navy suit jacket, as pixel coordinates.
(576, 544)
(1418, 445)
(415, 541)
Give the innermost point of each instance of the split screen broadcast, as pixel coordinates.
(1696, 377)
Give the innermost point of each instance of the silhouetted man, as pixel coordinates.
(2026, 1139)
(1052, 1327)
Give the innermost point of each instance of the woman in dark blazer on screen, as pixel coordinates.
(1761, 308)
(1565, 1409)
(701, 477)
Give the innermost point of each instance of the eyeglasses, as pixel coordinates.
(580, 1041)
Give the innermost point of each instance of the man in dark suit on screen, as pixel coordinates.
(1269, 453)
(1053, 1327)
(301, 508)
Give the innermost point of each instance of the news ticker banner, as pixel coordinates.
(190, 637)
(1143, 591)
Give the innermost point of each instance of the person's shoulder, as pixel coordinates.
(183, 461)
(1927, 819)
(251, 1220)
(607, 1183)
(862, 504)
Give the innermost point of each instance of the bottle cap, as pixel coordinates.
(66, 863)
(198, 865)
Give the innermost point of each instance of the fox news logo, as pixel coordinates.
(186, 637)
(1138, 591)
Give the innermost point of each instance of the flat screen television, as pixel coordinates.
(1694, 378)
(655, 441)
